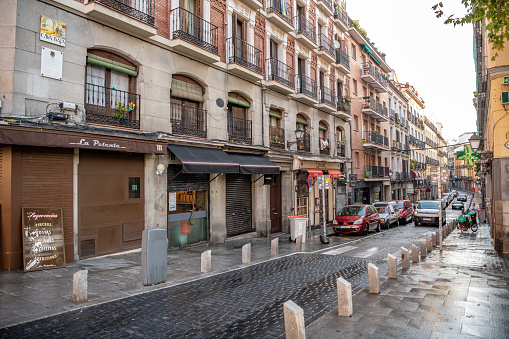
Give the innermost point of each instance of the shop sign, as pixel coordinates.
(51, 63)
(506, 80)
(52, 31)
(98, 143)
(43, 238)
(172, 201)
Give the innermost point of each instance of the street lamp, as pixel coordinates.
(299, 134)
(475, 142)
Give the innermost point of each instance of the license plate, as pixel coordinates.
(426, 219)
(346, 227)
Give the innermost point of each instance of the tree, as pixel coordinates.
(496, 13)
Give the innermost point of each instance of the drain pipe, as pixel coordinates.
(263, 114)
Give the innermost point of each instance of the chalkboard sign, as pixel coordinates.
(43, 239)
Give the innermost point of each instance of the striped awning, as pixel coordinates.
(415, 174)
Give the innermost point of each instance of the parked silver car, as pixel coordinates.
(388, 212)
(427, 212)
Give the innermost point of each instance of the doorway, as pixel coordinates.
(275, 206)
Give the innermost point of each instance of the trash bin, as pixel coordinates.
(154, 256)
(298, 227)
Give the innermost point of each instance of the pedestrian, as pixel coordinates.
(473, 208)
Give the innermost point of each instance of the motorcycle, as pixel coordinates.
(467, 221)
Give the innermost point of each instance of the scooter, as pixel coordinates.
(468, 221)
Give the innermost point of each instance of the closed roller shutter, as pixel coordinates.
(238, 204)
(186, 181)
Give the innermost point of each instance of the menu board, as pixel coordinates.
(43, 239)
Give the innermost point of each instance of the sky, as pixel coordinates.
(436, 59)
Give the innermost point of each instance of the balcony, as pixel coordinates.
(306, 32)
(240, 131)
(344, 108)
(376, 172)
(396, 176)
(254, 4)
(341, 19)
(341, 150)
(396, 146)
(244, 60)
(342, 61)
(374, 109)
(134, 16)
(280, 76)
(324, 150)
(112, 107)
(375, 141)
(326, 49)
(326, 100)
(396, 118)
(186, 120)
(304, 145)
(193, 36)
(374, 77)
(280, 14)
(277, 137)
(392, 114)
(306, 90)
(326, 7)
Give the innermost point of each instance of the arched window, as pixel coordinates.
(341, 142)
(239, 127)
(323, 133)
(187, 116)
(303, 145)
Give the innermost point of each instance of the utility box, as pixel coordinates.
(154, 256)
(298, 227)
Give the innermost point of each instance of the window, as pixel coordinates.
(239, 127)
(354, 89)
(355, 123)
(354, 52)
(187, 117)
(357, 159)
(134, 188)
(273, 50)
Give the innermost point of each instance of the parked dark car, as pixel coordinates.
(406, 211)
(462, 197)
(356, 219)
(427, 212)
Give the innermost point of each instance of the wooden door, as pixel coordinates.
(275, 206)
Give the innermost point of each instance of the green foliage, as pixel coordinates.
(496, 13)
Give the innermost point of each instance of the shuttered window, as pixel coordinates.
(185, 90)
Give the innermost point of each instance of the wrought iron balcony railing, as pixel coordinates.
(304, 27)
(369, 69)
(376, 171)
(344, 105)
(375, 138)
(142, 10)
(327, 96)
(240, 130)
(326, 45)
(282, 8)
(280, 72)
(306, 85)
(109, 106)
(304, 145)
(371, 103)
(186, 120)
(244, 54)
(341, 150)
(342, 58)
(190, 27)
(340, 14)
(277, 137)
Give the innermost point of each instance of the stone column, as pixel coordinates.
(80, 286)
(405, 259)
(434, 239)
(274, 247)
(424, 251)
(428, 244)
(374, 279)
(298, 243)
(295, 327)
(246, 253)
(391, 261)
(206, 261)
(415, 254)
(345, 306)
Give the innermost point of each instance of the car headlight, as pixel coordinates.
(438, 213)
(358, 221)
(416, 212)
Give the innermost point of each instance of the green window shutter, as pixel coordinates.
(275, 114)
(505, 97)
(239, 102)
(323, 128)
(185, 90)
(302, 121)
(110, 64)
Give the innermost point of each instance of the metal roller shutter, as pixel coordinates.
(238, 204)
(185, 181)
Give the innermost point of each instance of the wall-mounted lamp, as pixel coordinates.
(160, 169)
(475, 142)
(299, 134)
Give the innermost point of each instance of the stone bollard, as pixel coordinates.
(391, 261)
(373, 279)
(345, 306)
(274, 247)
(434, 239)
(206, 261)
(424, 251)
(298, 243)
(428, 244)
(246, 253)
(295, 327)
(80, 286)
(415, 254)
(405, 259)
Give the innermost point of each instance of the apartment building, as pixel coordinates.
(203, 118)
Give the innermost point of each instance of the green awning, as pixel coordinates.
(323, 128)
(366, 48)
(110, 64)
(275, 114)
(375, 60)
(238, 102)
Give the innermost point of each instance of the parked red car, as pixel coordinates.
(406, 211)
(357, 219)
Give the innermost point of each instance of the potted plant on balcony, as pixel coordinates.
(122, 110)
(275, 138)
(346, 106)
(341, 142)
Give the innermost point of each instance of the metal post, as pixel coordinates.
(440, 204)
(323, 210)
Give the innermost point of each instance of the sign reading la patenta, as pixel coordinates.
(43, 239)
(99, 143)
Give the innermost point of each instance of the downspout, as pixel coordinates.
(263, 114)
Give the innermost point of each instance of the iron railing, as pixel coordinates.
(108, 106)
(375, 138)
(190, 27)
(344, 105)
(326, 45)
(327, 4)
(280, 72)
(371, 103)
(369, 69)
(396, 145)
(341, 150)
(327, 96)
(376, 171)
(187, 120)
(324, 151)
(282, 8)
(244, 54)
(304, 27)
(306, 85)
(340, 14)
(277, 137)
(304, 145)
(342, 58)
(240, 130)
(142, 10)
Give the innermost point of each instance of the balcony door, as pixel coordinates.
(239, 32)
(190, 17)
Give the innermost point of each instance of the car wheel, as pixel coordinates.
(378, 228)
(366, 229)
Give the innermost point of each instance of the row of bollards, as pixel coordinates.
(294, 315)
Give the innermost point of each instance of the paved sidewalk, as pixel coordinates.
(462, 292)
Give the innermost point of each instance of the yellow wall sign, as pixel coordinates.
(507, 135)
(52, 31)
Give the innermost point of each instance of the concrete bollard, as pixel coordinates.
(345, 305)
(428, 244)
(206, 261)
(415, 254)
(405, 259)
(424, 250)
(373, 279)
(298, 243)
(246, 253)
(80, 286)
(274, 247)
(391, 261)
(434, 239)
(295, 327)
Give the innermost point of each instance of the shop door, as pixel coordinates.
(238, 204)
(275, 206)
(111, 202)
